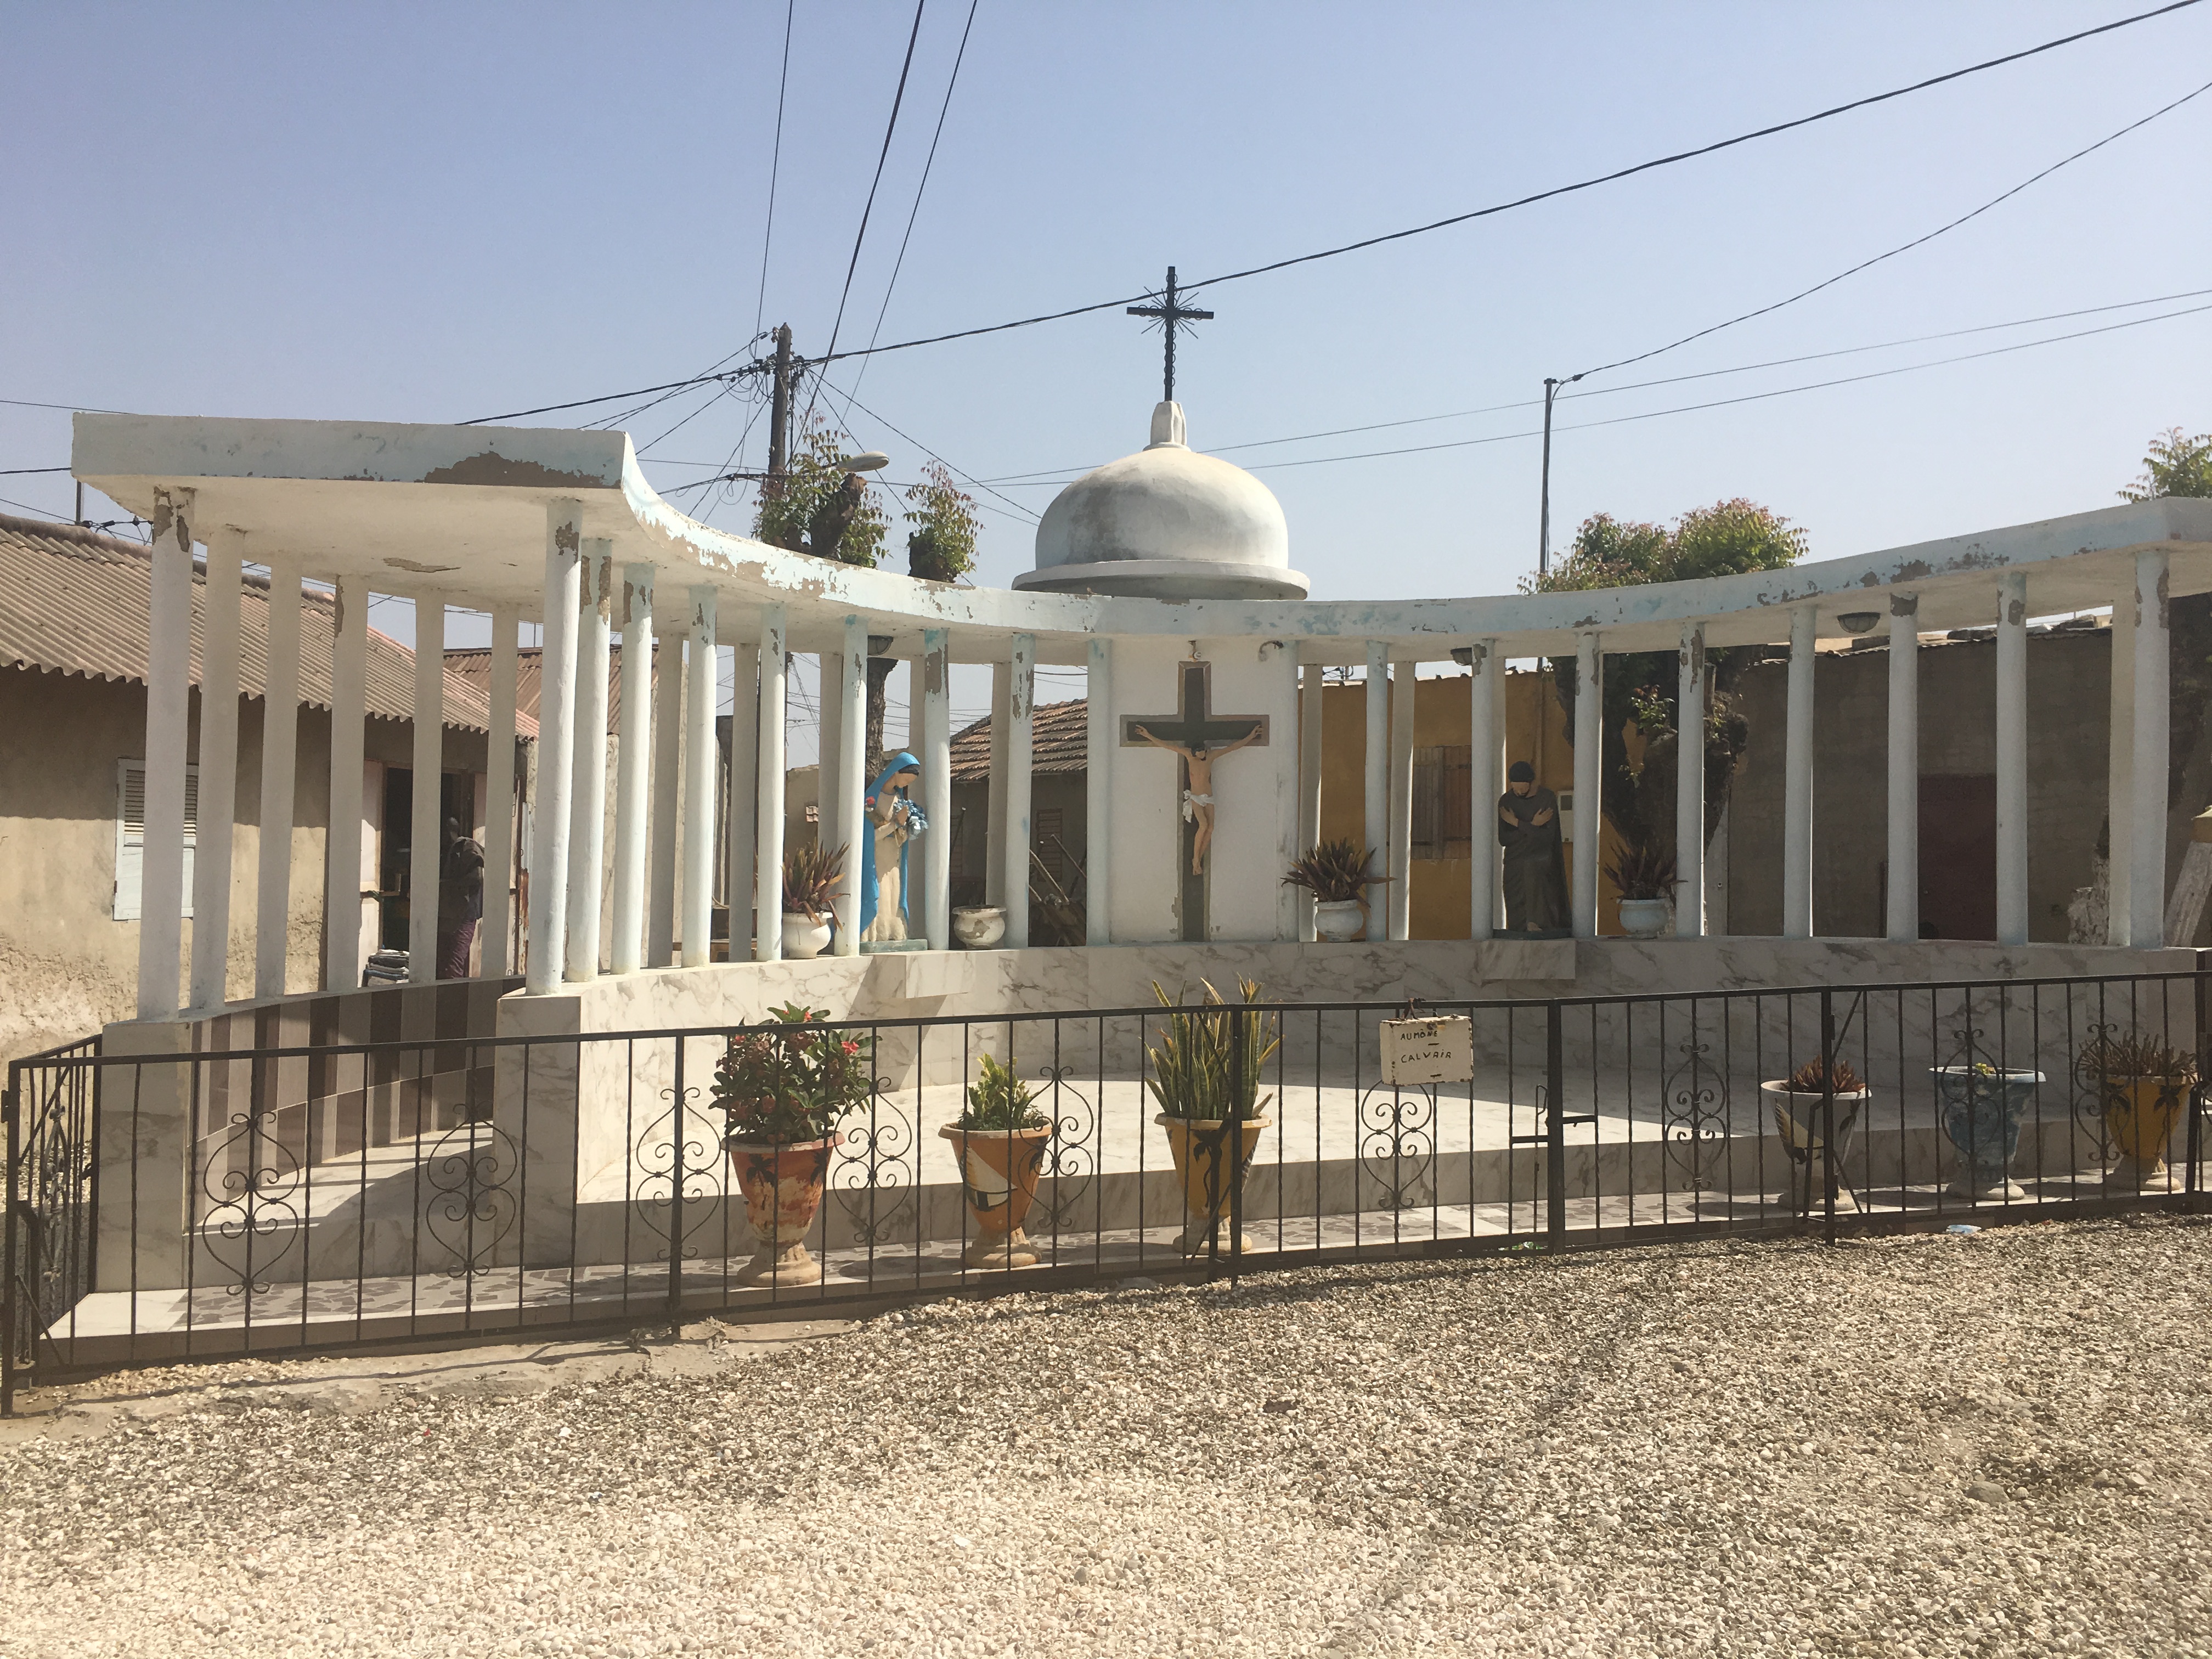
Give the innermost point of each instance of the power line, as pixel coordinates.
(898, 97)
(25, 471)
(775, 166)
(1867, 265)
(928, 162)
(940, 460)
(1051, 475)
(1418, 230)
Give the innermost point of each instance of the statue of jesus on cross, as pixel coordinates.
(1198, 757)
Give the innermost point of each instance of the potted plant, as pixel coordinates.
(1202, 1092)
(1979, 1106)
(999, 1140)
(978, 927)
(1335, 873)
(811, 878)
(2141, 1086)
(941, 547)
(1798, 1106)
(782, 1087)
(1644, 878)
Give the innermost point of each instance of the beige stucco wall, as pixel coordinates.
(67, 967)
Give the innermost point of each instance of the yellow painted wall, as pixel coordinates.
(1536, 731)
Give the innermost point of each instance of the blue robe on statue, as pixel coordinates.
(915, 824)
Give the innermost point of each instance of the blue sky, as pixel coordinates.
(435, 212)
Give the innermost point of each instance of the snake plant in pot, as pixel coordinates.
(1204, 1073)
(1336, 873)
(1800, 1103)
(811, 877)
(999, 1139)
(2141, 1087)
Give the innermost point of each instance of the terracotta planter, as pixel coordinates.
(1980, 1116)
(782, 1184)
(999, 1174)
(2139, 1116)
(1643, 918)
(1197, 1145)
(1797, 1120)
(1339, 919)
(804, 937)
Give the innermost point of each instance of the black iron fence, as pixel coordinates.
(250, 1200)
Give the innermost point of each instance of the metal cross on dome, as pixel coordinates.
(1171, 315)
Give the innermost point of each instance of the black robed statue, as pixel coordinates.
(1535, 856)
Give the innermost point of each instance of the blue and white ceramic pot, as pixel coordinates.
(1980, 1109)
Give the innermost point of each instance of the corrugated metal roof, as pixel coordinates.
(1059, 741)
(473, 664)
(76, 602)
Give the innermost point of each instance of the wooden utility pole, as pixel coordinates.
(779, 413)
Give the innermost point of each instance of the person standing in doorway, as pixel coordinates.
(460, 900)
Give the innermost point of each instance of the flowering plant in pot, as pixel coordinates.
(1000, 1138)
(1336, 873)
(1644, 878)
(1206, 1075)
(811, 877)
(2140, 1086)
(782, 1088)
(1800, 1106)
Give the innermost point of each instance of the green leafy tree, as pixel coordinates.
(819, 506)
(2176, 465)
(1642, 689)
(941, 547)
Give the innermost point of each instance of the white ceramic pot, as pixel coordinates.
(804, 937)
(1339, 919)
(979, 926)
(1643, 918)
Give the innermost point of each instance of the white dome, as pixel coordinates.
(1166, 523)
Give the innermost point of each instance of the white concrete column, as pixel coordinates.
(852, 827)
(557, 700)
(1484, 787)
(633, 773)
(218, 762)
(428, 822)
(936, 758)
(1797, 779)
(1690, 784)
(1309, 768)
(1282, 655)
(2120, 775)
(994, 856)
(1590, 780)
(1501, 763)
(1377, 781)
(1021, 702)
(587, 806)
(2147, 855)
(1098, 796)
(168, 710)
(280, 761)
(497, 926)
(829, 753)
(348, 743)
(743, 815)
(768, 822)
(2012, 757)
(1403, 699)
(702, 776)
(667, 802)
(1904, 918)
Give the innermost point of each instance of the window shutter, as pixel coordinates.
(131, 836)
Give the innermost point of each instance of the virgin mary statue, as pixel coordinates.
(892, 820)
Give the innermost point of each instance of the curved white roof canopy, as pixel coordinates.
(460, 510)
(1166, 523)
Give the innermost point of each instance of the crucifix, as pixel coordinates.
(1199, 738)
(1172, 314)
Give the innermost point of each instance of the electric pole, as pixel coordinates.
(779, 413)
(1544, 515)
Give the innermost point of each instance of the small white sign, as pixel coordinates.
(1423, 1051)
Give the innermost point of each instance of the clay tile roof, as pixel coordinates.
(1058, 740)
(76, 602)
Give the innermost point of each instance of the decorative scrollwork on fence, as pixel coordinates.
(874, 1175)
(678, 1172)
(1694, 1114)
(251, 1178)
(1070, 1161)
(2093, 1092)
(1397, 1131)
(470, 1204)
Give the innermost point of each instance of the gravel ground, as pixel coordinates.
(1923, 1445)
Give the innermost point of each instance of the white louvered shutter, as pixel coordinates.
(130, 836)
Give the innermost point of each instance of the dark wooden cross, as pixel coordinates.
(1171, 315)
(1193, 723)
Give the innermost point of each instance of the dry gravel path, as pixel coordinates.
(1923, 1445)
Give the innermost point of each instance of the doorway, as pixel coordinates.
(395, 843)
(1959, 855)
